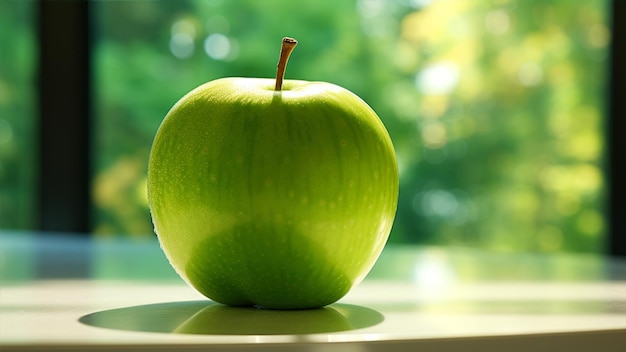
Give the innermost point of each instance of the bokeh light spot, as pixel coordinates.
(497, 22)
(181, 45)
(219, 47)
(439, 78)
(434, 135)
(590, 222)
(530, 74)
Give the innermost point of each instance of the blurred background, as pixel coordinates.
(498, 109)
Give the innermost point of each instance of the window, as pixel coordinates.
(497, 109)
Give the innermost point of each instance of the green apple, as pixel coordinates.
(279, 195)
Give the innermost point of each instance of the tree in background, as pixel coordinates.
(18, 127)
(495, 107)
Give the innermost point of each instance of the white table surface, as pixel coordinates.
(63, 293)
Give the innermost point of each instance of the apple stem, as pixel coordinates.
(285, 50)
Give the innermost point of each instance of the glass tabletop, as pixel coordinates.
(67, 291)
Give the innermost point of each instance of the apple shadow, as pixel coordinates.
(209, 318)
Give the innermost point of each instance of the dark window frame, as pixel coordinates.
(616, 241)
(64, 116)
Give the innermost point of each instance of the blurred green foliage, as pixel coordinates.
(18, 127)
(496, 107)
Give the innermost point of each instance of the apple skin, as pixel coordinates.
(279, 199)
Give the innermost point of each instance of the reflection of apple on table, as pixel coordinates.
(280, 195)
(224, 320)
